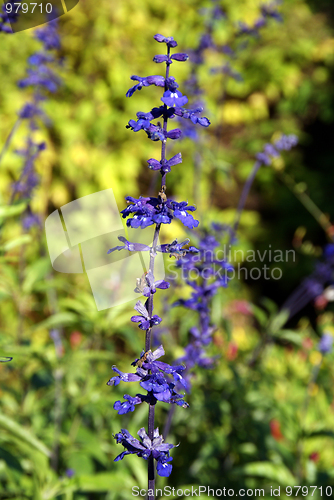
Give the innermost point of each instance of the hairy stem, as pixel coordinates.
(148, 336)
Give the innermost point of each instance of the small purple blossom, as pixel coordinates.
(286, 142)
(165, 165)
(157, 80)
(144, 319)
(270, 10)
(153, 377)
(169, 41)
(146, 448)
(152, 285)
(148, 211)
(132, 247)
(326, 343)
(181, 212)
(181, 57)
(70, 472)
(176, 249)
(191, 114)
(128, 405)
(174, 99)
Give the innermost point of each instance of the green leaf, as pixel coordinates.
(104, 481)
(319, 433)
(23, 434)
(11, 210)
(21, 240)
(57, 320)
(269, 305)
(36, 272)
(269, 470)
(278, 321)
(259, 314)
(290, 336)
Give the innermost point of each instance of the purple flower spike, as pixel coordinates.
(159, 379)
(49, 36)
(286, 142)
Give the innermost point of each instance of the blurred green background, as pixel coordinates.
(250, 424)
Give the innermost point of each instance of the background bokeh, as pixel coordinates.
(263, 416)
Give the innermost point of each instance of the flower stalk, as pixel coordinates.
(155, 376)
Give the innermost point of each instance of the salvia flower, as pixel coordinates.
(144, 319)
(151, 285)
(169, 41)
(132, 247)
(175, 99)
(148, 211)
(152, 376)
(157, 80)
(192, 114)
(165, 165)
(147, 447)
(157, 378)
(176, 249)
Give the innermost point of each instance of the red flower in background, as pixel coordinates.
(75, 339)
(314, 456)
(232, 351)
(275, 429)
